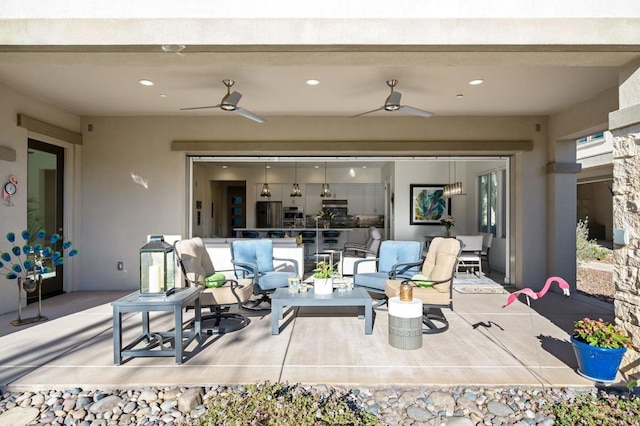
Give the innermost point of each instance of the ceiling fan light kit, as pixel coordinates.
(392, 104)
(229, 103)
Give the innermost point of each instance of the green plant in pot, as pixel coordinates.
(323, 277)
(599, 347)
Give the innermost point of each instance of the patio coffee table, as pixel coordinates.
(355, 297)
(169, 343)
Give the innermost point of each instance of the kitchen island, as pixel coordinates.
(319, 244)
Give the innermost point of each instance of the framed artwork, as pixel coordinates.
(427, 204)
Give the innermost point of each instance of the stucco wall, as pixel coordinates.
(14, 218)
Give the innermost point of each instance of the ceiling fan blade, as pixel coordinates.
(232, 99)
(201, 107)
(415, 111)
(368, 112)
(393, 99)
(248, 114)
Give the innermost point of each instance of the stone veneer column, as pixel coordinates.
(625, 127)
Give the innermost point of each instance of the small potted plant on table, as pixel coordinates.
(323, 277)
(599, 347)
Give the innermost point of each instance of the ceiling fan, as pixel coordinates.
(229, 102)
(392, 104)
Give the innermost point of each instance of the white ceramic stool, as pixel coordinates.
(405, 323)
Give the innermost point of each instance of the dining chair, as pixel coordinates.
(470, 259)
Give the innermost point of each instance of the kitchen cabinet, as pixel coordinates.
(366, 199)
(339, 190)
(312, 199)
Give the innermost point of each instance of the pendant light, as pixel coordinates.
(326, 191)
(266, 192)
(295, 189)
(453, 189)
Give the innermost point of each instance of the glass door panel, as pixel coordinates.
(45, 204)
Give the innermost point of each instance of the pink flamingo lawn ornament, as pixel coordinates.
(536, 295)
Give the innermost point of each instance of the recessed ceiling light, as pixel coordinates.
(163, 95)
(224, 166)
(312, 82)
(459, 95)
(267, 166)
(146, 82)
(476, 82)
(316, 167)
(364, 167)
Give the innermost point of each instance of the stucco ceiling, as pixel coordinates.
(104, 82)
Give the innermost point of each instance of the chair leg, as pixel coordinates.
(429, 319)
(253, 304)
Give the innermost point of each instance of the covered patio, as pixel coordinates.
(485, 346)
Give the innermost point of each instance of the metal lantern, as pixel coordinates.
(157, 268)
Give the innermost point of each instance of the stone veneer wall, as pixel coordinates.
(626, 215)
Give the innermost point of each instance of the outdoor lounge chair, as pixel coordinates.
(440, 267)
(353, 252)
(397, 260)
(253, 260)
(196, 266)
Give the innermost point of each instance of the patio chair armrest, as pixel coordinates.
(357, 251)
(293, 261)
(401, 268)
(357, 263)
(245, 268)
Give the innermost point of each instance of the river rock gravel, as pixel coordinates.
(183, 406)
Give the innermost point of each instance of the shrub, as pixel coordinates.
(600, 409)
(282, 404)
(587, 250)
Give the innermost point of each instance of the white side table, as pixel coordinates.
(405, 323)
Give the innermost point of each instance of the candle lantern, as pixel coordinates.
(157, 268)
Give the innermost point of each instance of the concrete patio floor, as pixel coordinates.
(485, 345)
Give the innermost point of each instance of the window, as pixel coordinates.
(596, 137)
(492, 203)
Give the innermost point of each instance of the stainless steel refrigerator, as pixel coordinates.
(269, 214)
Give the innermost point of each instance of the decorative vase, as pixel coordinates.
(447, 232)
(323, 286)
(597, 364)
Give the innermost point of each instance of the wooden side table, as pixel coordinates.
(169, 343)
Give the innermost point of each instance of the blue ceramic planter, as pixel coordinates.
(597, 364)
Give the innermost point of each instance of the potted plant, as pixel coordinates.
(599, 347)
(325, 216)
(323, 277)
(448, 222)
